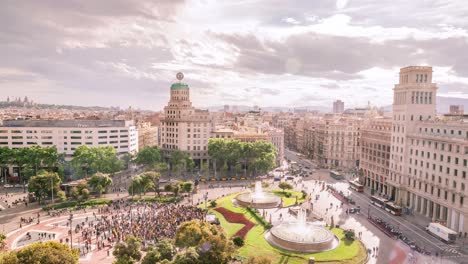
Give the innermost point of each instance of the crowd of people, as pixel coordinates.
(149, 222)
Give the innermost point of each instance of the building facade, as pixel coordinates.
(374, 163)
(428, 158)
(67, 135)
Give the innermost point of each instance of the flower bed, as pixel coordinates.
(237, 218)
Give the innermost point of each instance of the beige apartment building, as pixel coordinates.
(339, 142)
(428, 158)
(374, 163)
(183, 127)
(148, 135)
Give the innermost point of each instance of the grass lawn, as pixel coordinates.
(289, 201)
(255, 243)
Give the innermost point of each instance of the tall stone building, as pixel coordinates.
(428, 158)
(184, 127)
(338, 107)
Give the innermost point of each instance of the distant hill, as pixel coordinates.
(443, 104)
(5, 104)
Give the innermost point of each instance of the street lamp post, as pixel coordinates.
(52, 187)
(71, 230)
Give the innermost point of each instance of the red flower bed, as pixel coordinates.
(237, 218)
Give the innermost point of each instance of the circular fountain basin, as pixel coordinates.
(302, 237)
(261, 200)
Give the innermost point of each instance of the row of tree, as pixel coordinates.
(86, 161)
(233, 155)
(46, 184)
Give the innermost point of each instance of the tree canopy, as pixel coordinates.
(230, 154)
(89, 160)
(128, 252)
(43, 184)
(148, 156)
(99, 182)
(50, 252)
(211, 241)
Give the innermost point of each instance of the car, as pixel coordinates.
(213, 179)
(223, 179)
(354, 210)
(243, 178)
(277, 179)
(203, 179)
(18, 185)
(233, 179)
(290, 178)
(8, 186)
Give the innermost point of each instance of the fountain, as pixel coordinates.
(302, 236)
(258, 198)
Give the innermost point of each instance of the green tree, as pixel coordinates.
(146, 182)
(61, 196)
(2, 241)
(85, 194)
(6, 157)
(154, 178)
(128, 252)
(187, 256)
(99, 182)
(135, 186)
(151, 257)
(211, 240)
(149, 156)
(186, 187)
(50, 252)
(285, 186)
(90, 160)
(43, 184)
(205, 169)
(166, 249)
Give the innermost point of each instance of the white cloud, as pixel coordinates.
(340, 4)
(291, 21)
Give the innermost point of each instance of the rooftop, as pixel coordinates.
(66, 123)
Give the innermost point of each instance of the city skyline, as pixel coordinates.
(245, 53)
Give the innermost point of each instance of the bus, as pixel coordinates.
(336, 175)
(393, 208)
(379, 202)
(356, 186)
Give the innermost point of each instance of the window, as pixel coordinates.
(75, 132)
(102, 131)
(75, 137)
(46, 143)
(17, 137)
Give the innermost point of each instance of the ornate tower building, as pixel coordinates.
(184, 127)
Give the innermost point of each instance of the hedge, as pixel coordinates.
(259, 218)
(74, 204)
(156, 199)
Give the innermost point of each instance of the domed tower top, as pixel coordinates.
(180, 92)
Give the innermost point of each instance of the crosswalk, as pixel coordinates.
(451, 249)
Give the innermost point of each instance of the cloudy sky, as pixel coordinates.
(248, 52)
